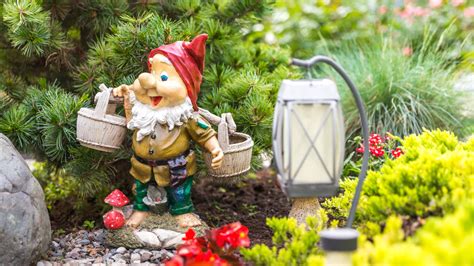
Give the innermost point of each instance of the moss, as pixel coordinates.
(124, 237)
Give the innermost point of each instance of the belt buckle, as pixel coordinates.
(152, 163)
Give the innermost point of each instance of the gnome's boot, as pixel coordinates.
(140, 209)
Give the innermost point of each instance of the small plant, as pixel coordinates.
(88, 224)
(293, 244)
(381, 148)
(58, 232)
(57, 185)
(216, 248)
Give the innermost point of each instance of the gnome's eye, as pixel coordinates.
(164, 76)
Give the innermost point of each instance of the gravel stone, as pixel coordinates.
(120, 250)
(73, 250)
(85, 242)
(146, 255)
(135, 258)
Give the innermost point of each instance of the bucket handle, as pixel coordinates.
(215, 120)
(223, 133)
(225, 126)
(103, 102)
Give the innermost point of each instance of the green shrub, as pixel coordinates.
(435, 173)
(441, 241)
(295, 244)
(57, 186)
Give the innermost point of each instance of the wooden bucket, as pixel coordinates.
(237, 148)
(100, 128)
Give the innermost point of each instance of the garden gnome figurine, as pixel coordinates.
(161, 109)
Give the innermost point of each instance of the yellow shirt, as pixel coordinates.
(166, 144)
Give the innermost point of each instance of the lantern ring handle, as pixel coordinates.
(365, 128)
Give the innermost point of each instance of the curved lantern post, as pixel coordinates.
(309, 140)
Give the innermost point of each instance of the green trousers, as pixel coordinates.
(179, 198)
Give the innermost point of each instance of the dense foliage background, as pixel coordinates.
(56, 53)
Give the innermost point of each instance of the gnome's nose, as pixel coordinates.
(147, 81)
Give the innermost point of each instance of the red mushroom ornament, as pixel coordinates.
(117, 199)
(114, 219)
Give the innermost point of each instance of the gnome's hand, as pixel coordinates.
(212, 145)
(121, 91)
(217, 156)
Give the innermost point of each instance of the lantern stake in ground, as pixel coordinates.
(309, 141)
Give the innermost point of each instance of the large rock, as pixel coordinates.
(25, 230)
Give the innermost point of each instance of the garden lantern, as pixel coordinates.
(308, 147)
(308, 135)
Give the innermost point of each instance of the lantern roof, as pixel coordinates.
(308, 90)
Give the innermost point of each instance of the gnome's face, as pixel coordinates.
(163, 87)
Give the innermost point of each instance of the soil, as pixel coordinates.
(251, 201)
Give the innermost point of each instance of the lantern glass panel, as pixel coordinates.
(311, 144)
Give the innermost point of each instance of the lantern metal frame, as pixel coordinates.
(323, 189)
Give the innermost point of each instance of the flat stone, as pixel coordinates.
(145, 236)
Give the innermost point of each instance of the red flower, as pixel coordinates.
(397, 152)
(234, 235)
(189, 235)
(375, 139)
(376, 151)
(175, 261)
(208, 258)
(189, 250)
(360, 149)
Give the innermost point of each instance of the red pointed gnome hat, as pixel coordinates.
(188, 60)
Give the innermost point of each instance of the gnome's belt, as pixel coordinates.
(154, 163)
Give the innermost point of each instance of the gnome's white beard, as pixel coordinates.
(145, 118)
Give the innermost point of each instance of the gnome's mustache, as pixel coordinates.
(145, 118)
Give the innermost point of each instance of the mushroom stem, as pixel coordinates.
(119, 209)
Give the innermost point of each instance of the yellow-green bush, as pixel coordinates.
(57, 185)
(441, 241)
(435, 173)
(295, 244)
